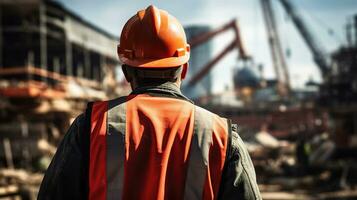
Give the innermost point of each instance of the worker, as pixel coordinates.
(153, 144)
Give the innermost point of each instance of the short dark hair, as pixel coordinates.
(145, 76)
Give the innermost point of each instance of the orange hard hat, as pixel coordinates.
(153, 39)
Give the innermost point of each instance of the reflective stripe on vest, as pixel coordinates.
(97, 154)
(147, 147)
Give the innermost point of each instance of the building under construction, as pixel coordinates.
(52, 62)
(43, 46)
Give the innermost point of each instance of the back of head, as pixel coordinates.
(152, 76)
(153, 44)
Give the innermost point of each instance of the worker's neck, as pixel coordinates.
(134, 85)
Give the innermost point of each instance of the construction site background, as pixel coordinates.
(303, 141)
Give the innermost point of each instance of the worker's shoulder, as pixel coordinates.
(202, 112)
(237, 145)
(74, 136)
(205, 118)
(111, 103)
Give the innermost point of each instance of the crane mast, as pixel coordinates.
(276, 51)
(317, 51)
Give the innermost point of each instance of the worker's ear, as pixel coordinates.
(125, 72)
(184, 71)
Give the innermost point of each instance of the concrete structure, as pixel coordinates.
(43, 42)
(200, 55)
(52, 62)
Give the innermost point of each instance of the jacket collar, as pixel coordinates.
(167, 89)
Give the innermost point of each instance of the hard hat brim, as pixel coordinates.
(156, 63)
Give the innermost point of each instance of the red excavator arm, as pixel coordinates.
(236, 43)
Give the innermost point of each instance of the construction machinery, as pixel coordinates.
(317, 51)
(236, 43)
(279, 63)
(245, 80)
(334, 152)
(338, 91)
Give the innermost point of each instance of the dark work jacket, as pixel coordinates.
(67, 175)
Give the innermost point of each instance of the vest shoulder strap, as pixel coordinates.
(207, 155)
(107, 132)
(116, 128)
(205, 121)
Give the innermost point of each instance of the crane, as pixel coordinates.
(235, 43)
(279, 63)
(338, 91)
(317, 51)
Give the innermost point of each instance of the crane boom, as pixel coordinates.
(236, 43)
(317, 51)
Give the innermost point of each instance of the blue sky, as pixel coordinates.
(320, 16)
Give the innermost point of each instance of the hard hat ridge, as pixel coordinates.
(153, 17)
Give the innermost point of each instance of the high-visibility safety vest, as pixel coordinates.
(146, 147)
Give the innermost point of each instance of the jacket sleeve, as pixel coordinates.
(238, 178)
(66, 176)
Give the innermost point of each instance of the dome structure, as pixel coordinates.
(246, 77)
